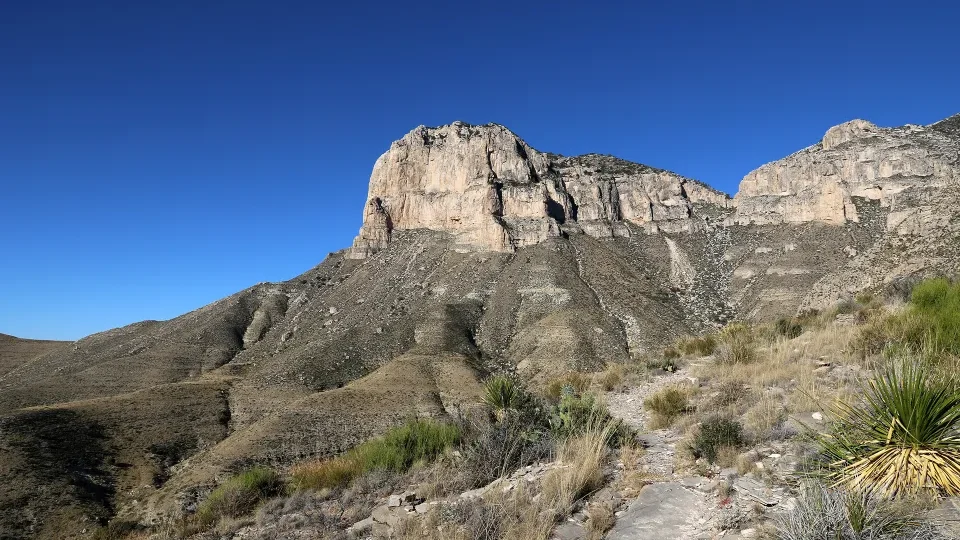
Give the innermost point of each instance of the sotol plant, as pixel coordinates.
(902, 438)
(502, 393)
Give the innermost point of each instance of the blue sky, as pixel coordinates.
(157, 156)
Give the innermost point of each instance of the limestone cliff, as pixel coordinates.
(493, 192)
(854, 159)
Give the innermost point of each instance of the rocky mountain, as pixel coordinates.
(477, 253)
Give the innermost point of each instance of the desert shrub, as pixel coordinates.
(736, 345)
(821, 512)
(239, 495)
(667, 404)
(903, 437)
(579, 414)
(117, 529)
(930, 324)
(671, 353)
(611, 378)
(730, 393)
(788, 327)
(699, 346)
(715, 433)
(397, 450)
(670, 365)
(495, 450)
(578, 383)
(935, 304)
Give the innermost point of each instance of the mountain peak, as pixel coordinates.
(492, 191)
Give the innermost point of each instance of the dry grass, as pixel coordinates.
(633, 477)
(600, 518)
(521, 513)
(764, 418)
(789, 364)
(666, 405)
(612, 378)
(576, 381)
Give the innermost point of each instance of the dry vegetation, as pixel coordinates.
(890, 431)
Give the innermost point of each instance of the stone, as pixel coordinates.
(424, 507)
(749, 533)
(569, 530)
(948, 514)
(361, 526)
(394, 501)
(665, 511)
(756, 491)
(383, 514)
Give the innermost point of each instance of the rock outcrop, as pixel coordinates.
(493, 192)
(856, 159)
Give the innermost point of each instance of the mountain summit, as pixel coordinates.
(492, 191)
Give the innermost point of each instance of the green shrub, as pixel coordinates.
(669, 365)
(666, 405)
(821, 512)
(930, 325)
(576, 382)
(577, 414)
(496, 449)
(239, 495)
(903, 437)
(398, 450)
(935, 307)
(716, 432)
(788, 327)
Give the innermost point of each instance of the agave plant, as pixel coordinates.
(903, 437)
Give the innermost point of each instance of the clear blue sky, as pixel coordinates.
(157, 156)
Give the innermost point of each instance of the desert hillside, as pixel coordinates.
(497, 294)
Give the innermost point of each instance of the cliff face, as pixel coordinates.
(493, 192)
(855, 159)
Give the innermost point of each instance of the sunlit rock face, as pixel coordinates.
(493, 192)
(854, 159)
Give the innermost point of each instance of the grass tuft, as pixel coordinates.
(398, 450)
(666, 405)
(238, 496)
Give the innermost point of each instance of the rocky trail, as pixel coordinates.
(673, 507)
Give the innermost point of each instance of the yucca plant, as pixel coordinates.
(502, 393)
(903, 437)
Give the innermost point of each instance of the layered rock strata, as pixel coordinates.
(493, 192)
(854, 159)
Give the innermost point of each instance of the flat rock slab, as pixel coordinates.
(664, 511)
(755, 490)
(948, 513)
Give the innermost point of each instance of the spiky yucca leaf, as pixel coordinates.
(903, 437)
(502, 393)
